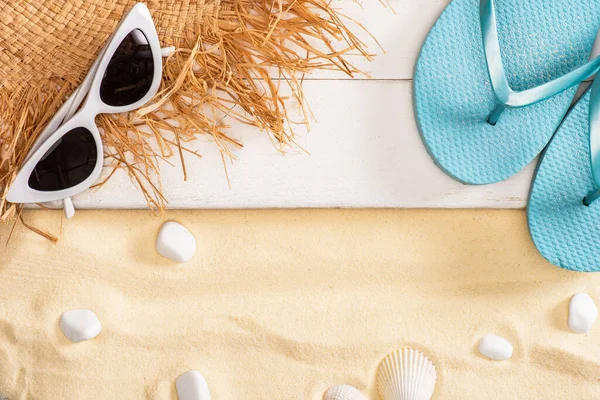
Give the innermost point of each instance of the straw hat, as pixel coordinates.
(43, 39)
(47, 47)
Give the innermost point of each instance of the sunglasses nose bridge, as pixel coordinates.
(94, 106)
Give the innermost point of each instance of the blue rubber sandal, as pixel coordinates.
(564, 210)
(518, 59)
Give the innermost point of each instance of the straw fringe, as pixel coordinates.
(234, 63)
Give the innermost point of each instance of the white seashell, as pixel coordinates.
(80, 325)
(495, 347)
(343, 392)
(192, 386)
(582, 313)
(175, 242)
(406, 374)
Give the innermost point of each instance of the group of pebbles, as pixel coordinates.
(176, 242)
(404, 374)
(582, 315)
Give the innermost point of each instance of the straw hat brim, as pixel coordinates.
(41, 39)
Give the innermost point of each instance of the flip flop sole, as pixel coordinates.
(564, 230)
(540, 41)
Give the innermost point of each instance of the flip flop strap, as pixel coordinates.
(594, 119)
(495, 66)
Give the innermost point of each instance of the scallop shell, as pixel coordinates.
(406, 374)
(343, 392)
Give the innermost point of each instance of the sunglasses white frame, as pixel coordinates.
(137, 20)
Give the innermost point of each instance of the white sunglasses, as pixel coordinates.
(67, 158)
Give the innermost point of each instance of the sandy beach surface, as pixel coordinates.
(284, 304)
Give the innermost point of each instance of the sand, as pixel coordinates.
(283, 304)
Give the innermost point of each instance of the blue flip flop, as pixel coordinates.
(564, 210)
(518, 59)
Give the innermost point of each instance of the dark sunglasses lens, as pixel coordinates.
(129, 73)
(66, 164)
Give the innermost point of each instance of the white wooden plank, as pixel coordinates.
(365, 147)
(365, 152)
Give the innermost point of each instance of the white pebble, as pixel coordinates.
(175, 242)
(80, 325)
(192, 386)
(495, 347)
(343, 392)
(582, 313)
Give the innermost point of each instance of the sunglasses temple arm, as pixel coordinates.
(66, 112)
(79, 94)
(69, 108)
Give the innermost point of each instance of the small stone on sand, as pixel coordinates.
(582, 313)
(175, 242)
(192, 386)
(495, 347)
(80, 325)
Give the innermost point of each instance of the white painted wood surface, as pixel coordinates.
(365, 149)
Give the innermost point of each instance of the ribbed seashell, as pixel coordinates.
(343, 392)
(406, 374)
